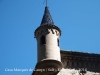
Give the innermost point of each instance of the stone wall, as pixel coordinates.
(75, 72)
(78, 60)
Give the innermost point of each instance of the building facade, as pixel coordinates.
(79, 63)
(53, 61)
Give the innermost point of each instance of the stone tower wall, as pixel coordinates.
(50, 50)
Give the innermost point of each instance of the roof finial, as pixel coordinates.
(46, 2)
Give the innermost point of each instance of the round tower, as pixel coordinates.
(48, 49)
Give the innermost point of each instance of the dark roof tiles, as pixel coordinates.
(47, 19)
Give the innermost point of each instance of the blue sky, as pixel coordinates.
(79, 21)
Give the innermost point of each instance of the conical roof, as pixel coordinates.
(47, 22)
(47, 19)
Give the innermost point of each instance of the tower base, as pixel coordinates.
(47, 67)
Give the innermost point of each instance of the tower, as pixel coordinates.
(48, 49)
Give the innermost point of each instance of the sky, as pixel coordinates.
(79, 21)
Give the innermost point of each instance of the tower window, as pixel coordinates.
(58, 41)
(42, 39)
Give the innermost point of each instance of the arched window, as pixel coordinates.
(72, 64)
(42, 40)
(67, 63)
(58, 41)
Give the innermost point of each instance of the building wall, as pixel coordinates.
(76, 62)
(75, 72)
